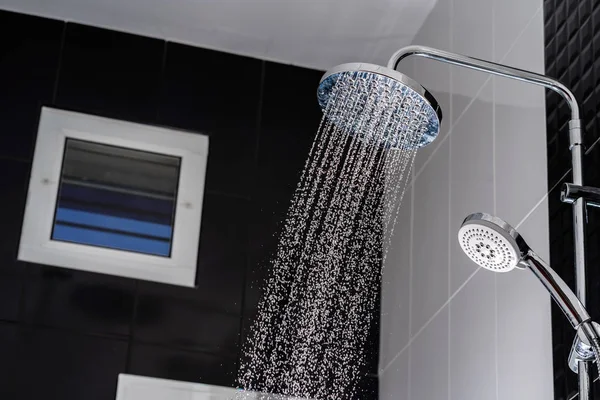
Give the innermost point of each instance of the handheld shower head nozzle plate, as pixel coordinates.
(490, 242)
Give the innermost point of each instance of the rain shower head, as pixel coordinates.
(496, 246)
(408, 108)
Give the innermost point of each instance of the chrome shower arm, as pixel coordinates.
(489, 67)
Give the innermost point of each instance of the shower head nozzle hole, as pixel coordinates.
(487, 248)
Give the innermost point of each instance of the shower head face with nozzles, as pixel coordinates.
(409, 110)
(490, 242)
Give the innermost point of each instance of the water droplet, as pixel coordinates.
(317, 305)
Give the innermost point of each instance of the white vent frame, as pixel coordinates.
(134, 387)
(37, 247)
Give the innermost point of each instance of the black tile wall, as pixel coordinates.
(217, 94)
(13, 189)
(223, 253)
(56, 364)
(267, 215)
(68, 334)
(29, 56)
(369, 388)
(78, 300)
(169, 363)
(283, 149)
(179, 322)
(110, 73)
(289, 92)
(372, 344)
(572, 40)
(9, 337)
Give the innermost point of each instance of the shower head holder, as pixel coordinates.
(496, 246)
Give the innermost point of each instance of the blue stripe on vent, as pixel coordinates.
(111, 240)
(115, 223)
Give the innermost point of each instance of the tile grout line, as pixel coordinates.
(449, 254)
(409, 385)
(410, 279)
(495, 208)
(449, 264)
(161, 87)
(454, 123)
(257, 127)
(416, 335)
(410, 262)
(521, 33)
(496, 338)
(32, 325)
(132, 329)
(592, 146)
(61, 52)
(452, 126)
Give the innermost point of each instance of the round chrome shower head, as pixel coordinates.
(409, 103)
(490, 242)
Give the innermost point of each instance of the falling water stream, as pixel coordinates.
(317, 305)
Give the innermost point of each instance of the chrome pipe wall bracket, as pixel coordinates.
(575, 146)
(570, 193)
(582, 350)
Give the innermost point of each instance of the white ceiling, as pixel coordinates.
(311, 33)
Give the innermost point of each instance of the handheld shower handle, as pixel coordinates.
(559, 290)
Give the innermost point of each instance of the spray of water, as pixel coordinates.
(309, 335)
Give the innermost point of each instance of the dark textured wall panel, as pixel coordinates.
(572, 40)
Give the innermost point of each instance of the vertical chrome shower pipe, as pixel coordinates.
(579, 221)
(575, 145)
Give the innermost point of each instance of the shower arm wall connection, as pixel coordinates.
(578, 357)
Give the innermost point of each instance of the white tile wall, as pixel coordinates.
(433, 75)
(396, 387)
(471, 334)
(524, 325)
(472, 34)
(471, 177)
(395, 304)
(510, 17)
(520, 116)
(472, 339)
(429, 283)
(429, 360)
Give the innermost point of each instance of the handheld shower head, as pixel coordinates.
(408, 107)
(495, 245)
(490, 242)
